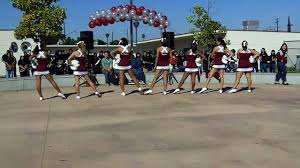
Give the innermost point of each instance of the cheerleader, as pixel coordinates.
(219, 55)
(122, 57)
(246, 59)
(78, 65)
(40, 61)
(192, 59)
(162, 65)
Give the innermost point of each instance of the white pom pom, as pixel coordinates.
(225, 59)
(252, 59)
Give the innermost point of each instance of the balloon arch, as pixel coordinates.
(128, 13)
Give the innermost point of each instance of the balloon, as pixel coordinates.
(156, 18)
(105, 23)
(167, 24)
(113, 15)
(125, 10)
(114, 9)
(165, 17)
(154, 12)
(117, 18)
(159, 14)
(132, 12)
(146, 12)
(145, 20)
(91, 17)
(128, 7)
(120, 6)
(142, 8)
(102, 20)
(108, 17)
(119, 10)
(161, 27)
(108, 11)
(133, 7)
(128, 17)
(151, 14)
(151, 22)
(92, 24)
(103, 13)
(122, 19)
(98, 22)
(140, 18)
(98, 15)
(139, 12)
(112, 21)
(156, 23)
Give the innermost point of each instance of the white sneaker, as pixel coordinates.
(78, 97)
(165, 93)
(232, 91)
(193, 92)
(176, 91)
(123, 94)
(148, 92)
(203, 90)
(61, 95)
(249, 91)
(98, 94)
(220, 91)
(41, 98)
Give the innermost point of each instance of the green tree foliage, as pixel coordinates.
(115, 42)
(40, 17)
(207, 30)
(70, 41)
(101, 42)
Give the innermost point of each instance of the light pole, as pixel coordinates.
(107, 35)
(136, 25)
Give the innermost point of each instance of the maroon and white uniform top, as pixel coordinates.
(163, 59)
(82, 68)
(125, 59)
(244, 65)
(42, 64)
(281, 57)
(191, 65)
(218, 63)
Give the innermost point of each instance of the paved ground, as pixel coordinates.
(244, 130)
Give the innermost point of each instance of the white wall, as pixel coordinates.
(6, 38)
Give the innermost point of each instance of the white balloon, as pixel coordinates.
(140, 18)
(113, 14)
(122, 16)
(156, 18)
(119, 10)
(108, 17)
(117, 18)
(146, 19)
(167, 24)
(128, 17)
(103, 13)
(146, 12)
(161, 27)
(151, 22)
(159, 15)
(125, 10)
(151, 14)
(132, 12)
(108, 11)
(91, 17)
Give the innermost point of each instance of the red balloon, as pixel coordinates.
(156, 24)
(142, 8)
(112, 21)
(98, 22)
(139, 12)
(123, 20)
(165, 17)
(92, 24)
(133, 7)
(114, 9)
(104, 21)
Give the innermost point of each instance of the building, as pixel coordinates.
(6, 38)
(251, 25)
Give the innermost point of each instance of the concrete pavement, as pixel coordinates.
(175, 131)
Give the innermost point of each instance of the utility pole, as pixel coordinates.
(277, 24)
(208, 6)
(289, 26)
(131, 30)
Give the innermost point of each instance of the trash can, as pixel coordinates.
(298, 62)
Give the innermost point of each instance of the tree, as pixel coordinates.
(207, 30)
(101, 42)
(40, 19)
(115, 42)
(70, 41)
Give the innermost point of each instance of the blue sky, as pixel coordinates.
(230, 13)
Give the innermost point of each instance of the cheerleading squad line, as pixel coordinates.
(122, 57)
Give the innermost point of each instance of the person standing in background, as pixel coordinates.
(281, 57)
(107, 65)
(273, 61)
(23, 66)
(264, 60)
(137, 67)
(9, 62)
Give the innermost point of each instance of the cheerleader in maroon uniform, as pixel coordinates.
(124, 64)
(219, 55)
(192, 59)
(162, 65)
(246, 59)
(281, 57)
(78, 65)
(40, 60)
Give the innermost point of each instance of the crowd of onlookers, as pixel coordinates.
(102, 63)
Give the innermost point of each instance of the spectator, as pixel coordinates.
(174, 60)
(107, 65)
(281, 57)
(23, 67)
(273, 61)
(181, 59)
(137, 68)
(232, 62)
(264, 60)
(10, 62)
(147, 60)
